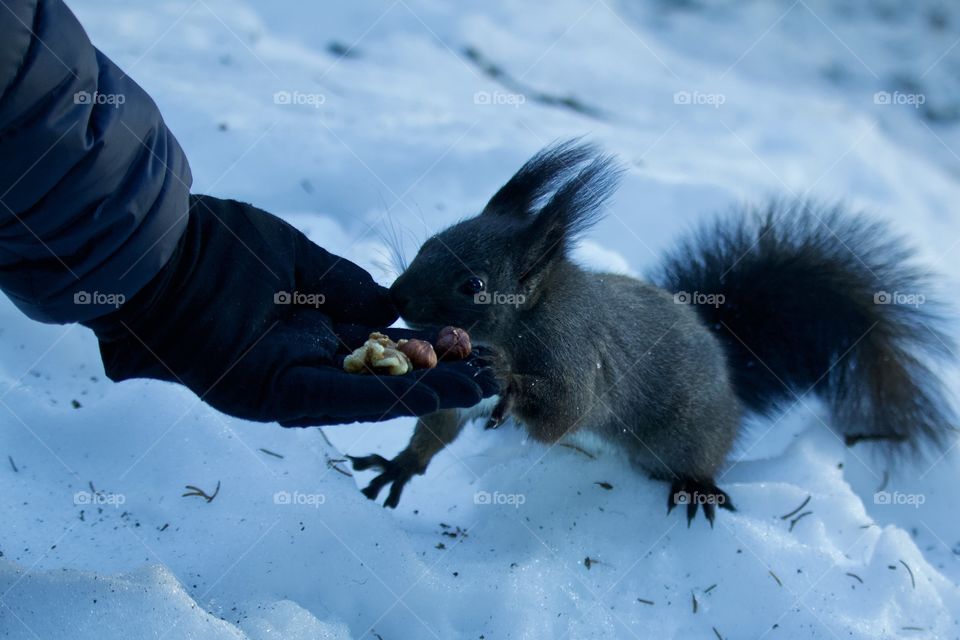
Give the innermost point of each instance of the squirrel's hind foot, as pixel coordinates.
(396, 473)
(694, 493)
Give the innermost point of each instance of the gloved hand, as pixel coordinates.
(256, 319)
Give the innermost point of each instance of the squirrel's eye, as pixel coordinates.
(472, 285)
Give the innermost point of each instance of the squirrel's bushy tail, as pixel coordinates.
(807, 298)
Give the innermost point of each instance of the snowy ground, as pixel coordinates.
(344, 119)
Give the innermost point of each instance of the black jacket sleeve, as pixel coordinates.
(93, 187)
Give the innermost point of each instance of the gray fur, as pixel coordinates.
(584, 350)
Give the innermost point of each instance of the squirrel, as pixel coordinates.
(748, 314)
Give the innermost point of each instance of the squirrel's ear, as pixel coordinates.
(575, 207)
(540, 175)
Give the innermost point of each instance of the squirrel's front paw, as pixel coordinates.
(396, 472)
(693, 494)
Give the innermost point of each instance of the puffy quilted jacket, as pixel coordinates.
(93, 186)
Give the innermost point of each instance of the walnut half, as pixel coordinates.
(379, 354)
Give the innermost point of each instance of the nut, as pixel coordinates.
(420, 352)
(379, 354)
(381, 339)
(453, 343)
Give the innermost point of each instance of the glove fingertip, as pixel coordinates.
(370, 305)
(382, 310)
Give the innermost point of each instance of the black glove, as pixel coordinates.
(256, 319)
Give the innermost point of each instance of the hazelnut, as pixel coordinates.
(453, 343)
(420, 352)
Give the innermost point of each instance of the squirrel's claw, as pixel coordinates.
(501, 411)
(395, 472)
(492, 423)
(694, 493)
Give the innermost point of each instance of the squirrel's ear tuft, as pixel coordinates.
(539, 176)
(576, 205)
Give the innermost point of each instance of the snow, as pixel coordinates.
(406, 133)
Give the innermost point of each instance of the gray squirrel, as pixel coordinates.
(744, 315)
